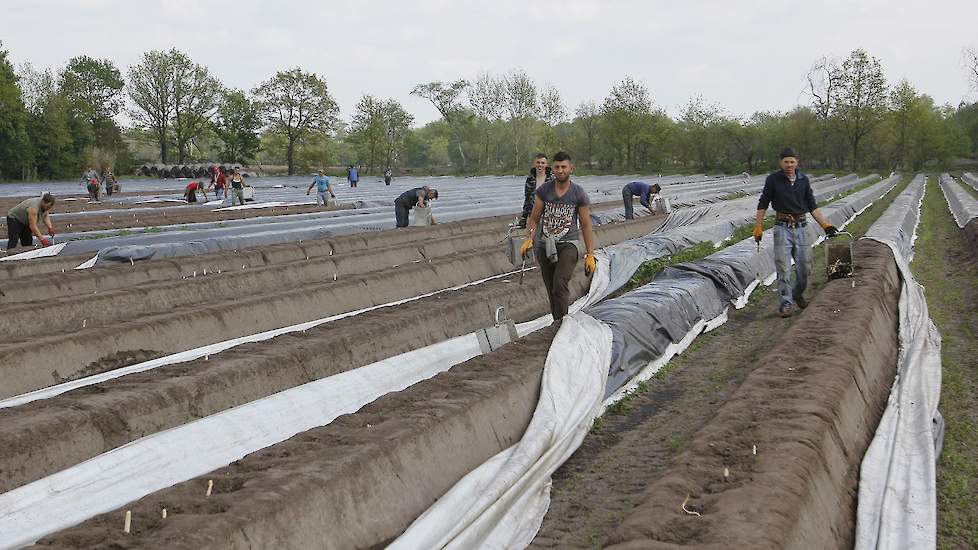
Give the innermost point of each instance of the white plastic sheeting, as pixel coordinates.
(502, 503)
(897, 484)
(970, 179)
(160, 460)
(964, 207)
(44, 252)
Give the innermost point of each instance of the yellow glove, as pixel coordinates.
(590, 264)
(758, 232)
(525, 247)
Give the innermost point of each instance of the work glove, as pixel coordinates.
(590, 264)
(758, 232)
(45, 242)
(525, 247)
(830, 230)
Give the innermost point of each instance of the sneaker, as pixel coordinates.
(785, 310)
(801, 302)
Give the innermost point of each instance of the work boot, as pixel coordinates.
(801, 302)
(785, 310)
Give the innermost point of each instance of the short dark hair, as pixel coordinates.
(47, 198)
(562, 156)
(434, 194)
(539, 156)
(656, 187)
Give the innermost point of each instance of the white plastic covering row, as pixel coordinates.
(897, 484)
(160, 460)
(502, 503)
(964, 206)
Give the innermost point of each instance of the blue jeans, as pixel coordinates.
(791, 243)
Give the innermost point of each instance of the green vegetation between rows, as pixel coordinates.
(950, 278)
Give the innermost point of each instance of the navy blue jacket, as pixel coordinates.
(786, 197)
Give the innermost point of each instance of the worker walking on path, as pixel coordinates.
(419, 196)
(218, 181)
(561, 214)
(791, 194)
(323, 187)
(23, 220)
(388, 176)
(237, 187)
(645, 194)
(539, 175)
(352, 175)
(108, 179)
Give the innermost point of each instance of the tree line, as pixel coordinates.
(53, 124)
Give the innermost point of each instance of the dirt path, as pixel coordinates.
(636, 441)
(950, 276)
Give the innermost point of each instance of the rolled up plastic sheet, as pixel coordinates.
(897, 506)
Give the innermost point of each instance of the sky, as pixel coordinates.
(744, 56)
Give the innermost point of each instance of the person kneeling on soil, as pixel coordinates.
(190, 193)
(22, 221)
(561, 213)
(791, 194)
(419, 196)
(645, 194)
(323, 187)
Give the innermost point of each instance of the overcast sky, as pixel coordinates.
(746, 56)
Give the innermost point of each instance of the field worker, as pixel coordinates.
(559, 207)
(237, 187)
(323, 187)
(108, 179)
(643, 191)
(352, 175)
(388, 176)
(22, 221)
(791, 194)
(190, 193)
(540, 173)
(419, 196)
(93, 190)
(218, 182)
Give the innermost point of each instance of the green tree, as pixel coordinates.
(151, 88)
(368, 130)
(296, 104)
(486, 100)
(859, 99)
(587, 118)
(521, 105)
(196, 95)
(446, 97)
(14, 145)
(626, 115)
(237, 123)
(397, 123)
(93, 89)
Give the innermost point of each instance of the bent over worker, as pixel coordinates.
(643, 191)
(561, 216)
(419, 196)
(22, 221)
(791, 194)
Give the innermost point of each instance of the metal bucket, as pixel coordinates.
(514, 240)
(839, 263)
(498, 335)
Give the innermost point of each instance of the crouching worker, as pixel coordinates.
(791, 194)
(419, 196)
(643, 191)
(23, 219)
(561, 216)
(190, 193)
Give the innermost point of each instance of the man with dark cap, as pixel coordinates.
(643, 191)
(790, 192)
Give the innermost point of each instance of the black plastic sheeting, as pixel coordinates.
(646, 320)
